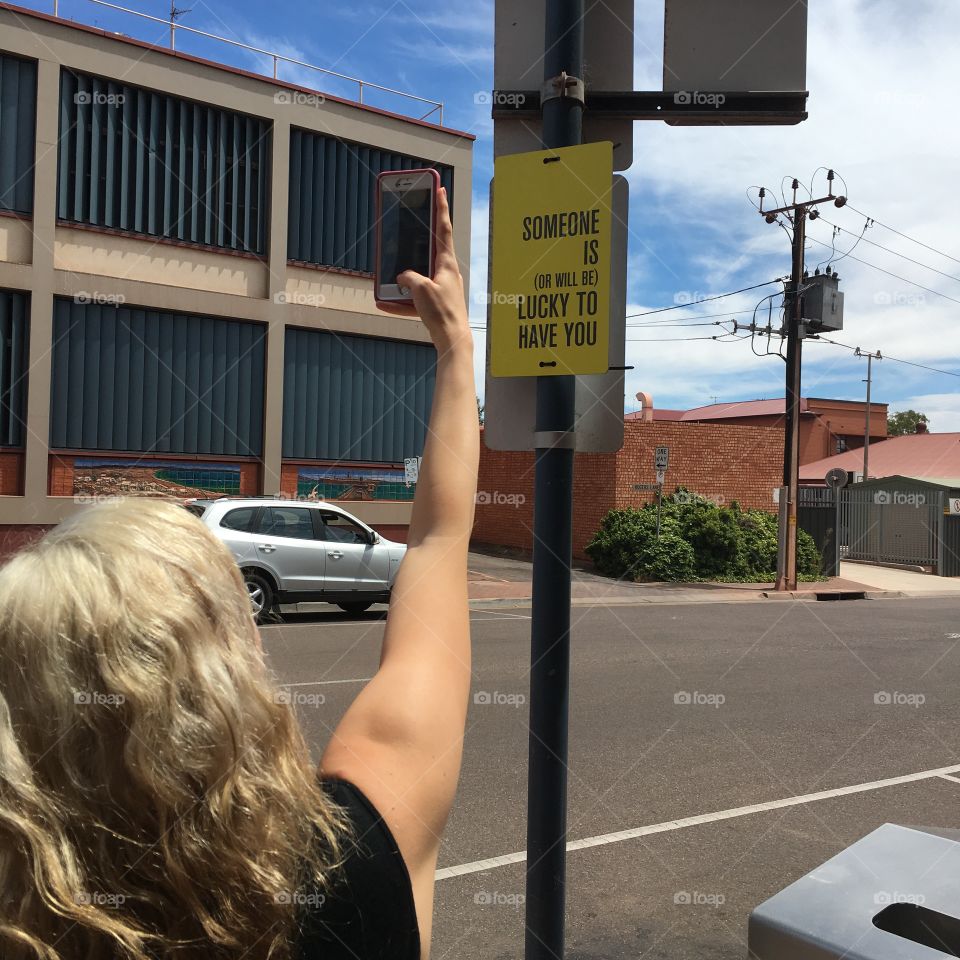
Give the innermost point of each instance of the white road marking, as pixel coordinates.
(477, 866)
(946, 776)
(502, 617)
(317, 683)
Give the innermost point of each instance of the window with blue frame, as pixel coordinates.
(133, 379)
(142, 161)
(18, 117)
(355, 398)
(14, 331)
(332, 203)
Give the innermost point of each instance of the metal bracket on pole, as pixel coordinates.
(562, 86)
(550, 439)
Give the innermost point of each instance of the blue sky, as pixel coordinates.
(877, 73)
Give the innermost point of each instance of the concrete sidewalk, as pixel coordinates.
(502, 580)
(907, 583)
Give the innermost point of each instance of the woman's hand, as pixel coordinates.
(439, 302)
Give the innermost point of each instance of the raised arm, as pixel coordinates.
(401, 740)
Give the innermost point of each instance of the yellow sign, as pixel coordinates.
(550, 276)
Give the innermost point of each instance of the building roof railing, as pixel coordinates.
(436, 106)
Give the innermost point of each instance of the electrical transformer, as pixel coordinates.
(822, 303)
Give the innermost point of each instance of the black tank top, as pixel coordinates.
(367, 912)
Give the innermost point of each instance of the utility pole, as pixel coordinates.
(797, 214)
(866, 430)
(562, 113)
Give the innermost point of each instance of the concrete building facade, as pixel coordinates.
(186, 295)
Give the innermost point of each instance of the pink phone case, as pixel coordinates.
(433, 237)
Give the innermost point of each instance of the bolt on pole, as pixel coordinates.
(552, 548)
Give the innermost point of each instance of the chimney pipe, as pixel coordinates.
(646, 406)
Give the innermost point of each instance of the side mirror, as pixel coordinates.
(374, 537)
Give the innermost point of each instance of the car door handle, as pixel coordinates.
(266, 547)
(335, 554)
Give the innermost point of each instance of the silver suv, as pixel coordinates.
(293, 550)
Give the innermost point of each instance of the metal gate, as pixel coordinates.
(817, 511)
(891, 524)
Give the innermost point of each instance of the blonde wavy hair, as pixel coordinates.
(157, 798)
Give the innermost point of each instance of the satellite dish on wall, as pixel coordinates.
(837, 478)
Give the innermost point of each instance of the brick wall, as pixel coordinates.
(14, 537)
(723, 461)
(504, 514)
(11, 473)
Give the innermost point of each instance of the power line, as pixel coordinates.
(719, 338)
(886, 356)
(873, 243)
(678, 320)
(913, 283)
(719, 296)
(905, 236)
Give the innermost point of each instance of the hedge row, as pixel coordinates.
(699, 540)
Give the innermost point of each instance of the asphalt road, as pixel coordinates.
(677, 711)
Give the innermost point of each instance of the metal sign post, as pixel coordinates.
(768, 88)
(562, 108)
(661, 460)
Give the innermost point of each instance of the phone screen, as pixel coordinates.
(405, 232)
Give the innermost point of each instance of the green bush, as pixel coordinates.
(699, 540)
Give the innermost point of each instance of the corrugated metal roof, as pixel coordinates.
(657, 415)
(934, 457)
(741, 408)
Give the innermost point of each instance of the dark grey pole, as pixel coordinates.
(552, 544)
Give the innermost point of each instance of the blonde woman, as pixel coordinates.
(158, 803)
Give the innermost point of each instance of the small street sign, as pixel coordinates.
(550, 290)
(646, 487)
(661, 476)
(661, 458)
(411, 469)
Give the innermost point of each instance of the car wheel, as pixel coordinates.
(355, 608)
(260, 592)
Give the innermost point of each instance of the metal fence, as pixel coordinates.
(895, 525)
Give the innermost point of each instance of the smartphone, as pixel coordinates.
(406, 229)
